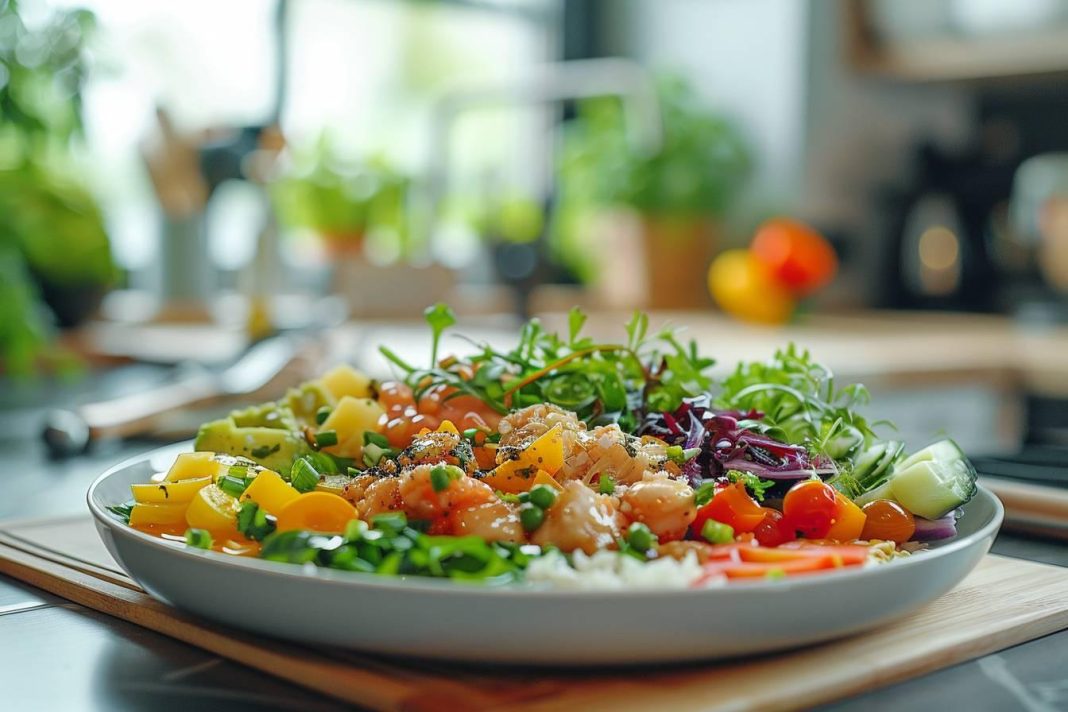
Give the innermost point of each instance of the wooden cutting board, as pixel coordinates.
(1002, 603)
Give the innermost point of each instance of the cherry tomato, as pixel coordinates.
(810, 508)
(732, 506)
(797, 256)
(773, 530)
(745, 288)
(889, 521)
(394, 393)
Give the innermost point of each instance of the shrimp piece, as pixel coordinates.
(608, 450)
(380, 497)
(579, 519)
(493, 521)
(519, 428)
(438, 447)
(421, 501)
(663, 504)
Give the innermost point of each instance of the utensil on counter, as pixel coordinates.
(266, 368)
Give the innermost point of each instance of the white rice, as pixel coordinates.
(610, 570)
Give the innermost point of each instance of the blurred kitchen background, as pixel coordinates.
(180, 179)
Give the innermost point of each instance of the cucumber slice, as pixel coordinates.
(868, 460)
(883, 491)
(941, 451)
(885, 466)
(932, 488)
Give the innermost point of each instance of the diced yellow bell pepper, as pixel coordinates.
(848, 520)
(270, 491)
(350, 418)
(193, 465)
(180, 492)
(447, 426)
(212, 509)
(143, 514)
(544, 478)
(544, 454)
(344, 380)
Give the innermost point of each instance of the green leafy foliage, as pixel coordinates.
(603, 383)
(800, 403)
(756, 486)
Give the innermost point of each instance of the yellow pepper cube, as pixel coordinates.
(193, 465)
(146, 514)
(344, 380)
(212, 509)
(350, 419)
(181, 492)
(270, 491)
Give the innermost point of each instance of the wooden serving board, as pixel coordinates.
(1002, 603)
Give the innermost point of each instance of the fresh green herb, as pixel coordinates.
(322, 414)
(800, 403)
(602, 383)
(254, 522)
(605, 484)
(717, 532)
(756, 486)
(372, 438)
(680, 456)
(304, 477)
(233, 486)
(704, 493)
(440, 317)
(531, 516)
(542, 496)
(122, 510)
(198, 538)
(641, 537)
(326, 438)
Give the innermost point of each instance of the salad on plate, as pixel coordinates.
(565, 462)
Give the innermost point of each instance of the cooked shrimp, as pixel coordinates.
(437, 447)
(380, 497)
(608, 450)
(493, 521)
(579, 519)
(421, 501)
(663, 504)
(519, 428)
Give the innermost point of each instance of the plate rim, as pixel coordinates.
(407, 584)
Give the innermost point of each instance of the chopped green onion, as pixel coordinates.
(442, 475)
(390, 521)
(542, 496)
(717, 532)
(232, 486)
(510, 498)
(371, 437)
(531, 516)
(606, 485)
(676, 454)
(775, 574)
(355, 530)
(304, 477)
(641, 537)
(326, 438)
(322, 414)
(254, 522)
(373, 454)
(704, 493)
(199, 538)
(238, 471)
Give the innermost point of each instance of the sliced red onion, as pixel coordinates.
(934, 529)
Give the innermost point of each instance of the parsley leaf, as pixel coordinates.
(756, 486)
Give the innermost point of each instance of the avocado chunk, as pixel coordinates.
(306, 400)
(267, 435)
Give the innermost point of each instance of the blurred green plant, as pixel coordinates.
(340, 198)
(698, 172)
(52, 236)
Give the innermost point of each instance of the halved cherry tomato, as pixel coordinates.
(809, 508)
(848, 520)
(732, 506)
(888, 520)
(773, 529)
(797, 256)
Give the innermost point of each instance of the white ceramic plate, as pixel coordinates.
(441, 619)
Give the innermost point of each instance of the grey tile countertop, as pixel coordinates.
(58, 655)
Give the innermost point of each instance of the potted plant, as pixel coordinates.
(673, 200)
(341, 199)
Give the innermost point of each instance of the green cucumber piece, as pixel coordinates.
(883, 491)
(867, 461)
(942, 451)
(932, 488)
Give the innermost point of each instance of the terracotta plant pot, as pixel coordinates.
(676, 253)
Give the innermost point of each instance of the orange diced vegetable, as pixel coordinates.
(316, 511)
(270, 492)
(848, 520)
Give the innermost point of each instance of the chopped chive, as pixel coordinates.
(704, 493)
(439, 479)
(531, 516)
(606, 485)
(238, 471)
(304, 477)
(198, 538)
(641, 537)
(717, 532)
(390, 521)
(322, 414)
(378, 439)
(233, 486)
(326, 438)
